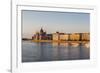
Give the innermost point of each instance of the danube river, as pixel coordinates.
(35, 52)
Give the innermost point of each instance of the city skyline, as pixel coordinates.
(50, 21)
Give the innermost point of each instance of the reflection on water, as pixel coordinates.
(75, 44)
(32, 52)
(59, 44)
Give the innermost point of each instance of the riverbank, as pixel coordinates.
(59, 41)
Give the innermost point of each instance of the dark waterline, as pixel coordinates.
(35, 52)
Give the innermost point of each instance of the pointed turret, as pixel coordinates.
(41, 31)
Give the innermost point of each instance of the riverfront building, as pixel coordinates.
(64, 37)
(60, 36)
(42, 35)
(79, 37)
(55, 36)
(85, 36)
(74, 37)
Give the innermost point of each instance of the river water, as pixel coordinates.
(38, 52)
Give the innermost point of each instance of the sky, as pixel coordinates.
(50, 21)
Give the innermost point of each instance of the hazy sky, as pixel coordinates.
(67, 22)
